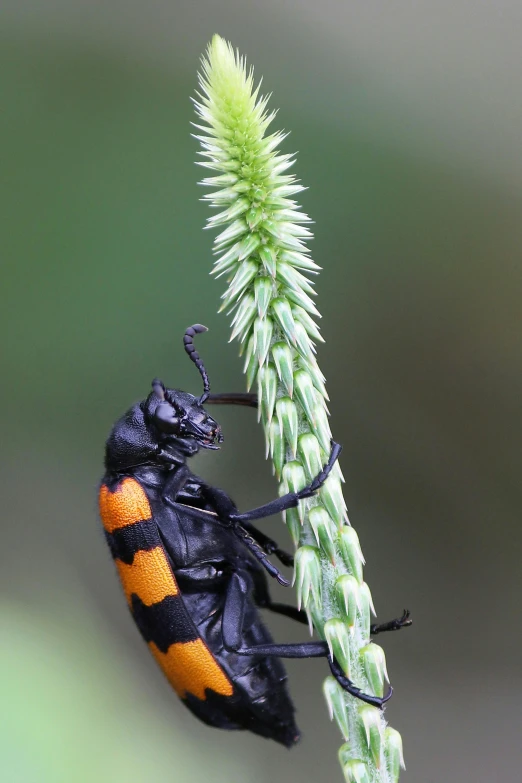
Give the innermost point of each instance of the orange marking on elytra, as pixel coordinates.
(126, 506)
(191, 668)
(149, 576)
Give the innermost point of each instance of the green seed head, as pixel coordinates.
(261, 251)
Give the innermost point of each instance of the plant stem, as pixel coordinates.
(262, 254)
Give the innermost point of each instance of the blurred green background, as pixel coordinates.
(408, 121)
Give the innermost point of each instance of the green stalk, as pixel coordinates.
(262, 254)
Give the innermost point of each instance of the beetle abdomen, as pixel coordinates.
(153, 594)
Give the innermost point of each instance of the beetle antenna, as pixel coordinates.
(188, 342)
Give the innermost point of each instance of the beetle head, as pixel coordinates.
(181, 416)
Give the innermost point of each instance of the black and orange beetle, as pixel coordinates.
(193, 568)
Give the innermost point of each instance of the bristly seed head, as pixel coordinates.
(261, 250)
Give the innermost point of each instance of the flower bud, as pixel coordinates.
(295, 478)
(393, 752)
(233, 211)
(336, 702)
(254, 216)
(315, 619)
(293, 524)
(366, 607)
(228, 261)
(310, 452)
(288, 421)
(373, 723)
(299, 260)
(249, 244)
(231, 233)
(315, 374)
(307, 575)
(268, 257)
(347, 593)
(303, 300)
(322, 430)
(288, 275)
(251, 365)
(308, 323)
(324, 531)
(306, 394)
(263, 329)
(374, 662)
(331, 495)
(337, 637)
(351, 551)
(277, 446)
(263, 287)
(303, 343)
(283, 314)
(266, 391)
(284, 361)
(244, 275)
(355, 771)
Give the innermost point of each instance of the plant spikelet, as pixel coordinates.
(261, 251)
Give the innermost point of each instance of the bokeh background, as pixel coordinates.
(408, 119)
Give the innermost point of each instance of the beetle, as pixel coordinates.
(193, 568)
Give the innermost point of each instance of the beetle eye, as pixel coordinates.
(166, 419)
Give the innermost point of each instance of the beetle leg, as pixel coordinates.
(392, 625)
(234, 613)
(232, 632)
(299, 616)
(268, 544)
(263, 600)
(347, 685)
(291, 499)
(258, 553)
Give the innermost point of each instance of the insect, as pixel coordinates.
(193, 568)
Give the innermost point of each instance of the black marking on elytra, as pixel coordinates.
(126, 541)
(164, 623)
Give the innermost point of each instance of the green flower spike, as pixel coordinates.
(261, 250)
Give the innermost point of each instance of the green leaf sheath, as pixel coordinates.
(261, 252)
